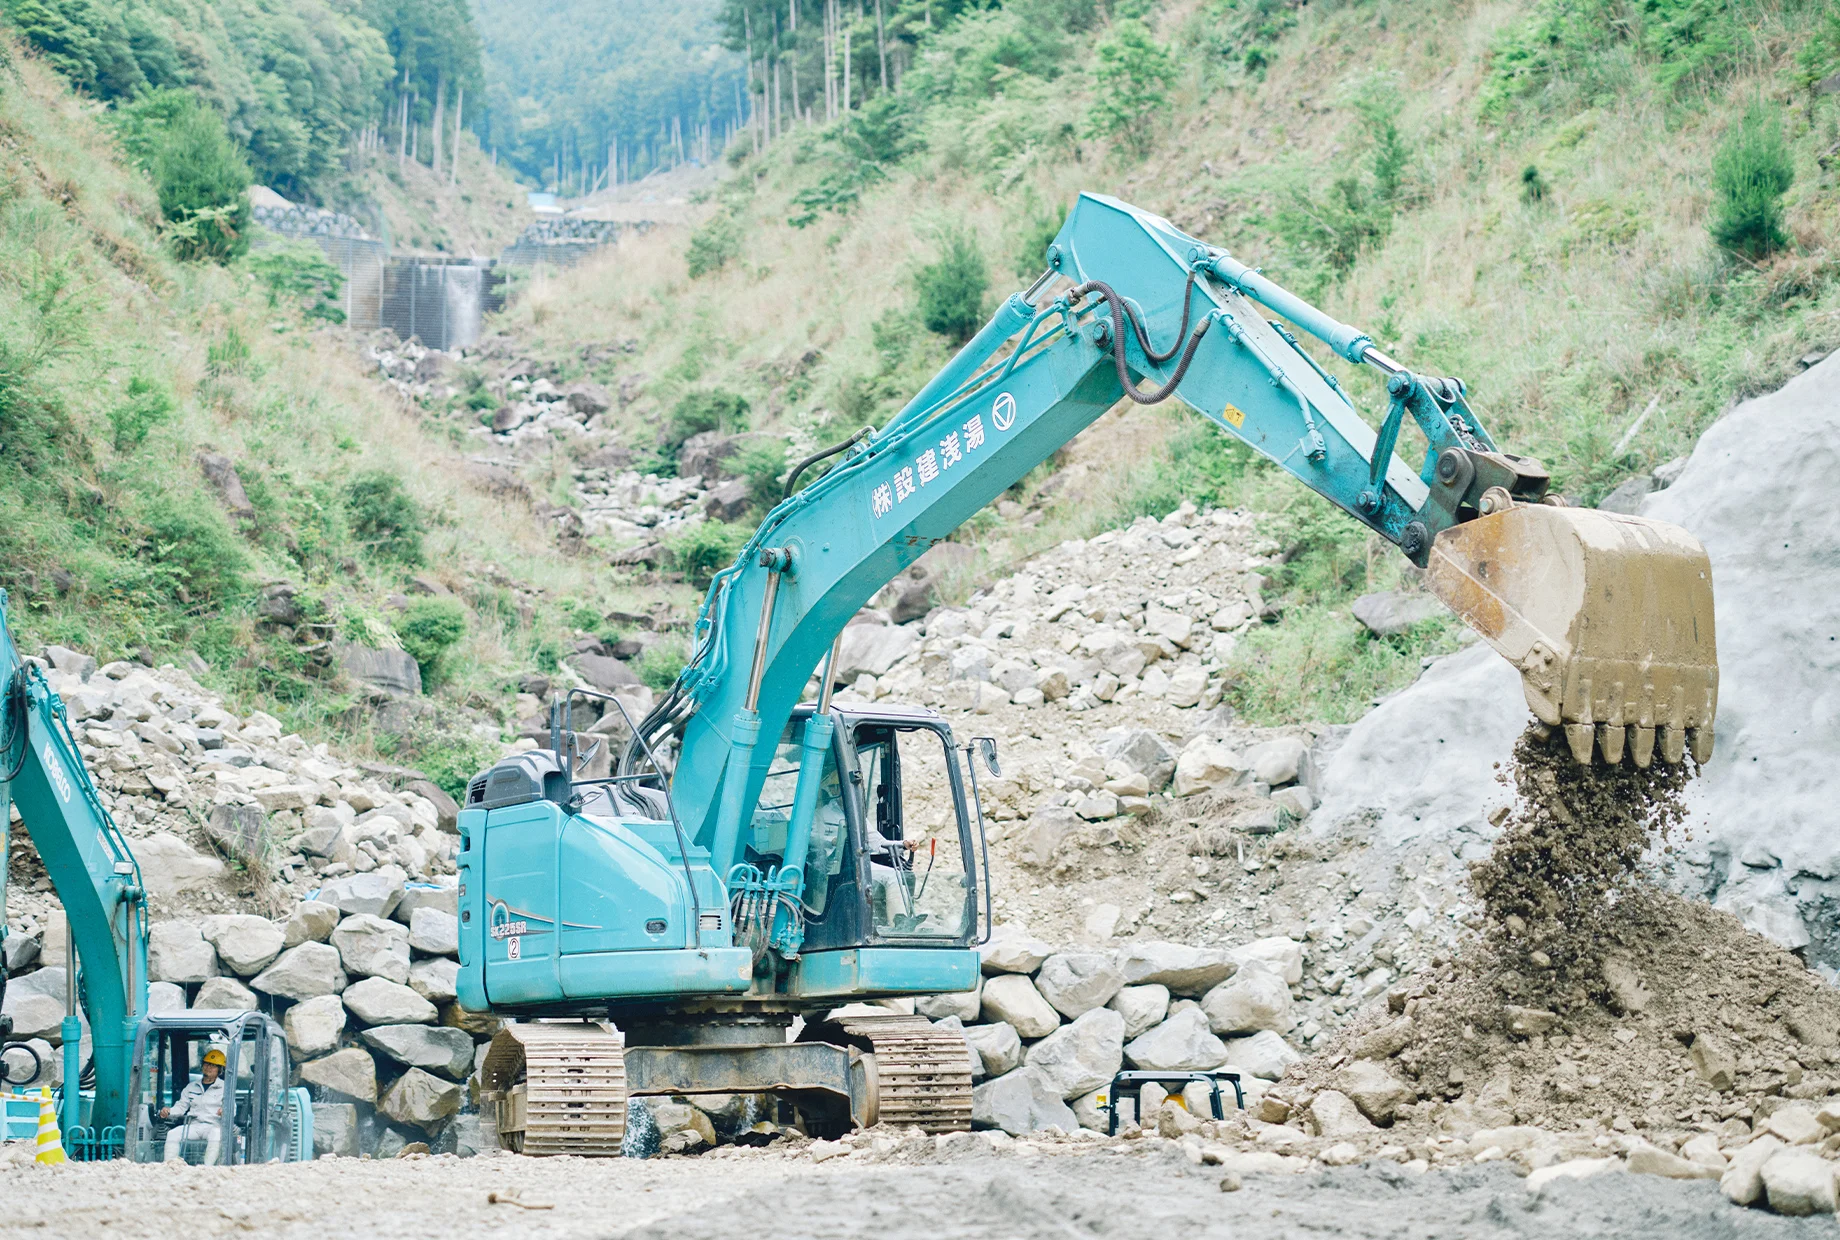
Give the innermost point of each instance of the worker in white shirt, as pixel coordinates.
(199, 1110)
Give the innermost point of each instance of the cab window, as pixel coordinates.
(921, 882)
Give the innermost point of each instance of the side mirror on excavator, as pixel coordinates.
(987, 750)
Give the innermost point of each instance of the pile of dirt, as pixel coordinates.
(1568, 856)
(1587, 996)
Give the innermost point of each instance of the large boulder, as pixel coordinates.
(1048, 829)
(1334, 1114)
(1276, 761)
(177, 952)
(36, 1004)
(420, 1100)
(313, 1026)
(1143, 1007)
(1255, 998)
(170, 997)
(435, 980)
(1143, 751)
(246, 943)
(311, 922)
(445, 899)
(1077, 982)
(1390, 612)
(373, 947)
(226, 994)
(963, 1004)
(604, 672)
(873, 649)
(347, 1075)
(335, 1130)
(377, 1001)
(376, 893)
(1263, 1054)
(1183, 1043)
(997, 1045)
(434, 1047)
(1185, 970)
(1019, 1103)
(433, 932)
(1284, 956)
(171, 867)
(240, 832)
(1207, 764)
(1013, 999)
(302, 972)
(1373, 1089)
(394, 673)
(1011, 950)
(1080, 1057)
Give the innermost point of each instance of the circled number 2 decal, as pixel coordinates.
(1003, 413)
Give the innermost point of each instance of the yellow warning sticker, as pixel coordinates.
(1234, 414)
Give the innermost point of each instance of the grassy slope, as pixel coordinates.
(112, 548)
(1566, 316)
(481, 214)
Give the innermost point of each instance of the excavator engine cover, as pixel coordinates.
(1607, 617)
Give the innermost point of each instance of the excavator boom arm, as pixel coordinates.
(1154, 313)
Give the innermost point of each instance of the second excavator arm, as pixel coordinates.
(91, 868)
(1607, 618)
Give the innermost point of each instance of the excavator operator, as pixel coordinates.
(199, 1111)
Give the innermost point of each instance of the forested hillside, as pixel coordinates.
(583, 95)
(194, 463)
(1611, 218)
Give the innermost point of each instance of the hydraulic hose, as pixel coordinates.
(792, 479)
(1121, 313)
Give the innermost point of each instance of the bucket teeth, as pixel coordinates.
(1643, 746)
(1610, 739)
(1699, 740)
(1580, 737)
(1673, 744)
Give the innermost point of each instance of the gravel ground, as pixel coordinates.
(1156, 1195)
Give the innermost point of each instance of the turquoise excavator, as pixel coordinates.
(689, 923)
(139, 1062)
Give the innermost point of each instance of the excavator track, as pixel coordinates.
(922, 1075)
(560, 1088)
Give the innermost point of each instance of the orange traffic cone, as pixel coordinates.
(50, 1140)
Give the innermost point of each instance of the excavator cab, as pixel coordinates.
(895, 843)
(262, 1119)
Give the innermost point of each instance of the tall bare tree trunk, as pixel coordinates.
(434, 136)
(848, 82)
(881, 42)
(453, 175)
(402, 114)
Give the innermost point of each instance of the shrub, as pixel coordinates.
(710, 409)
(951, 290)
(384, 518)
(1130, 85)
(713, 246)
(146, 405)
(428, 629)
(763, 467)
(192, 554)
(299, 273)
(705, 549)
(201, 177)
(1750, 174)
(659, 666)
(1533, 185)
(228, 356)
(452, 761)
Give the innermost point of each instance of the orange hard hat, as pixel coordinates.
(215, 1056)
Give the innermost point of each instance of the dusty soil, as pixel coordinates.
(1569, 855)
(1150, 1193)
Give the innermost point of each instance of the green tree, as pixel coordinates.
(951, 290)
(1750, 174)
(1130, 85)
(428, 630)
(384, 517)
(705, 410)
(202, 179)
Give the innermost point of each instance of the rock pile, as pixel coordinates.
(1047, 1028)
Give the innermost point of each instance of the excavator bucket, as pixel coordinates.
(1607, 617)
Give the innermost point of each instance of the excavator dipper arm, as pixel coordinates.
(1154, 313)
